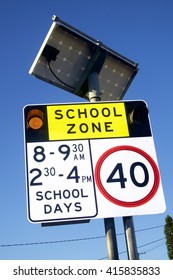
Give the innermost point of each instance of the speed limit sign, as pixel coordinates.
(148, 184)
(127, 178)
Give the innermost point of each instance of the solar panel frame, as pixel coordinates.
(77, 56)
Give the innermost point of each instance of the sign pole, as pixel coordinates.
(130, 238)
(94, 95)
(111, 241)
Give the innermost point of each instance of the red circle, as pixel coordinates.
(139, 202)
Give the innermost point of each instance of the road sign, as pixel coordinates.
(90, 160)
(86, 121)
(146, 180)
(127, 177)
(60, 181)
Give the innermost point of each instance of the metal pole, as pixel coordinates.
(93, 87)
(111, 241)
(130, 238)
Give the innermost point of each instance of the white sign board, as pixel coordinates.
(60, 181)
(127, 178)
(87, 160)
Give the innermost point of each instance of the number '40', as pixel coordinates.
(122, 180)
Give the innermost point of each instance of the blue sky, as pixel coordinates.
(139, 30)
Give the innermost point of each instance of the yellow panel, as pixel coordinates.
(87, 121)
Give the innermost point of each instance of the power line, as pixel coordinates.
(152, 242)
(152, 249)
(50, 242)
(71, 240)
(150, 228)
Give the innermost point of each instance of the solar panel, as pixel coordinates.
(67, 57)
(115, 77)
